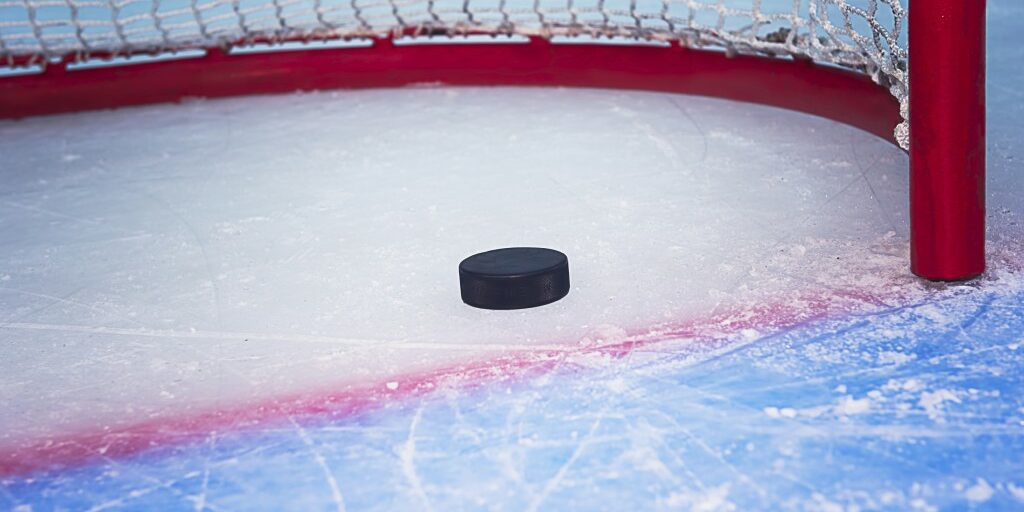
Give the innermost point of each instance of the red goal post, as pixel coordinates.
(947, 138)
(915, 77)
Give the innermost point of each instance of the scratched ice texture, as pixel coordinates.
(251, 304)
(906, 407)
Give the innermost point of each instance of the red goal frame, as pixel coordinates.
(947, 98)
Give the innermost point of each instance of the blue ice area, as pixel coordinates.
(905, 407)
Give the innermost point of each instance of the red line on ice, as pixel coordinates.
(718, 330)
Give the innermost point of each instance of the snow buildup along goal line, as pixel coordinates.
(940, 122)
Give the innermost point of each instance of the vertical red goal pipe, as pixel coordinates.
(947, 138)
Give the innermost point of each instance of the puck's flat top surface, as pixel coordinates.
(514, 278)
(513, 261)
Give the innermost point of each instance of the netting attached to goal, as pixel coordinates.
(864, 35)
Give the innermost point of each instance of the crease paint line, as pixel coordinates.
(707, 335)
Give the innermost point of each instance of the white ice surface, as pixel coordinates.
(176, 257)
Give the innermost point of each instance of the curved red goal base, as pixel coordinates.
(794, 84)
(841, 95)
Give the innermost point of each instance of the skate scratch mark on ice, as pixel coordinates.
(407, 455)
(691, 476)
(815, 212)
(332, 483)
(66, 300)
(117, 502)
(732, 468)
(51, 213)
(870, 319)
(138, 493)
(460, 420)
(298, 255)
(211, 276)
(801, 428)
(982, 308)
(863, 171)
(556, 480)
(663, 144)
(1009, 307)
(506, 458)
(200, 499)
(696, 126)
(253, 336)
(111, 463)
(745, 478)
(32, 312)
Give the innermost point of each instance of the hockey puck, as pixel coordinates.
(514, 278)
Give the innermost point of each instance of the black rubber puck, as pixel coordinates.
(514, 278)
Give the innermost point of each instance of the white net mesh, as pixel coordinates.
(864, 35)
